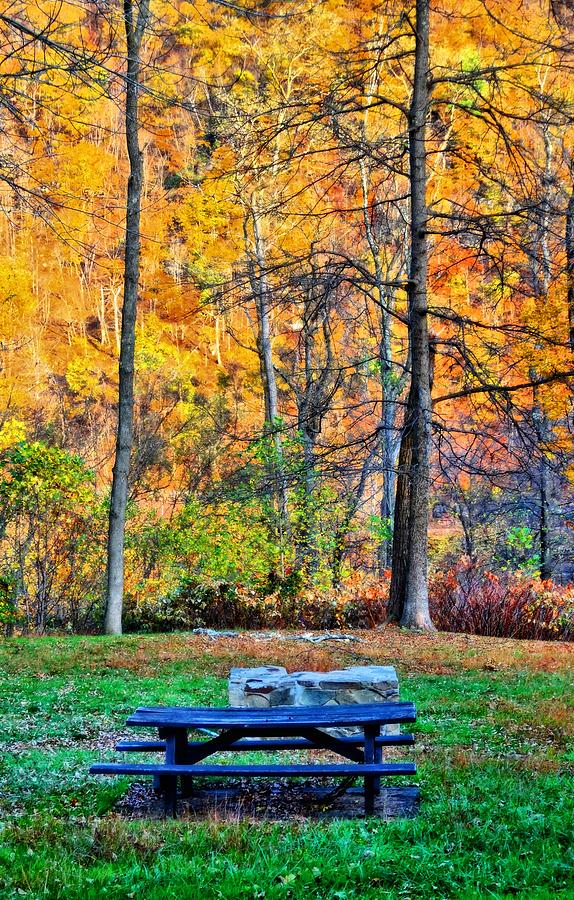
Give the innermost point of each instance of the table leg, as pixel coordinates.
(170, 795)
(378, 759)
(370, 735)
(160, 782)
(182, 757)
(175, 754)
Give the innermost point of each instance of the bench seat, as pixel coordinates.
(322, 770)
(385, 740)
(166, 774)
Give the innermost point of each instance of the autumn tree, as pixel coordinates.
(282, 276)
(135, 17)
(409, 589)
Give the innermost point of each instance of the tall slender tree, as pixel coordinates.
(135, 17)
(409, 590)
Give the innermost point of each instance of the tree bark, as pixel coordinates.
(401, 532)
(544, 526)
(124, 434)
(260, 288)
(389, 453)
(389, 391)
(541, 281)
(569, 240)
(409, 588)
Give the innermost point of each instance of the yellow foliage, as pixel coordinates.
(17, 301)
(81, 379)
(12, 432)
(285, 122)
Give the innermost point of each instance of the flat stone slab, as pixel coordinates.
(267, 686)
(261, 687)
(356, 684)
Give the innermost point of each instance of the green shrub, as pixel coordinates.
(51, 538)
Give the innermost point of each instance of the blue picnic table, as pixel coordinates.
(277, 728)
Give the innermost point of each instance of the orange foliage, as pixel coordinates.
(296, 125)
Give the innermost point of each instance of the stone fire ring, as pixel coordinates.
(267, 686)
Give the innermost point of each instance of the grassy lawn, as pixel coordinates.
(495, 754)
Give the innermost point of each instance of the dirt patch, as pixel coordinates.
(103, 741)
(556, 715)
(275, 801)
(437, 654)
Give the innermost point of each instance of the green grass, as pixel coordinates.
(495, 755)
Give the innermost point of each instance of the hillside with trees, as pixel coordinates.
(337, 239)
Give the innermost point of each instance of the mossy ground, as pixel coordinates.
(495, 754)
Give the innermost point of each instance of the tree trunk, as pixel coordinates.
(409, 588)
(306, 551)
(313, 399)
(260, 289)
(542, 278)
(389, 391)
(570, 265)
(401, 532)
(389, 464)
(544, 526)
(543, 436)
(467, 528)
(124, 434)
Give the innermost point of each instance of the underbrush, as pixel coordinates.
(220, 604)
(467, 599)
(475, 601)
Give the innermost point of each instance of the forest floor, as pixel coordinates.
(495, 755)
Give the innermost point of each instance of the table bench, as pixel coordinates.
(277, 728)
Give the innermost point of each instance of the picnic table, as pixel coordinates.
(278, 728)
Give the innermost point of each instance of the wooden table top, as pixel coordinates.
(273, 717)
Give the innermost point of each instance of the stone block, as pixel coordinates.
(261, 687)
(267, 686)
